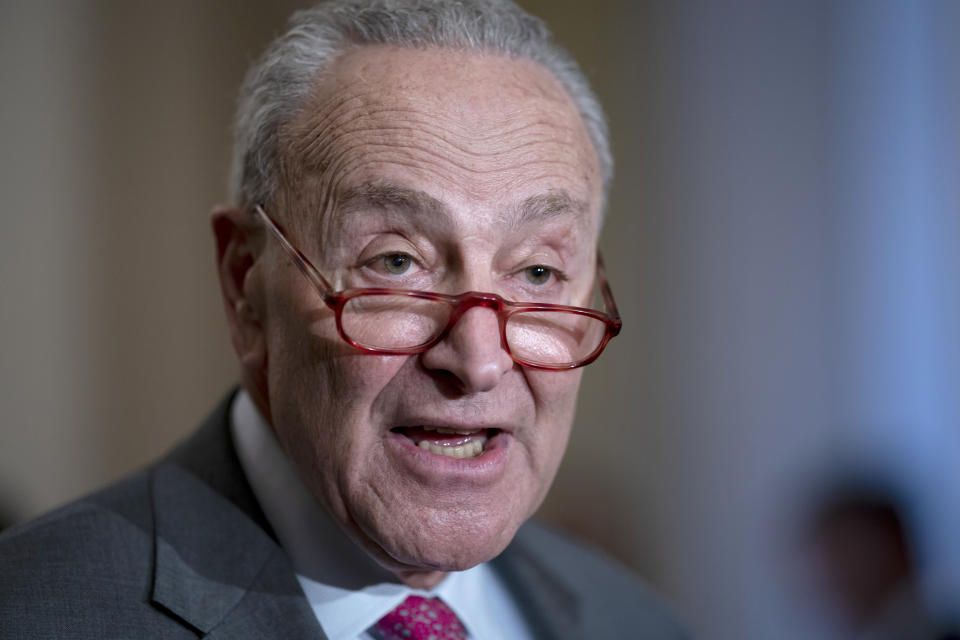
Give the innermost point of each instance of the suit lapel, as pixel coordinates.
(218, 567)
(551, 609)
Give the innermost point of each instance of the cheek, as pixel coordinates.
(322, 394)
(555, 392)
(555, 395)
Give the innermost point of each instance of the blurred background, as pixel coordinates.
(783, 240)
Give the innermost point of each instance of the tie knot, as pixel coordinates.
(419, 618)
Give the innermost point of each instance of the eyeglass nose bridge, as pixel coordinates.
(469, 300)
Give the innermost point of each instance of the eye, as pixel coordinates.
(396, 263)
(538, 274)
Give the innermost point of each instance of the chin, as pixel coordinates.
(449, 542)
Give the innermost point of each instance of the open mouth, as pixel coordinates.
(444, 441)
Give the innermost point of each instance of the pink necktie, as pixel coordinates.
(420, 618)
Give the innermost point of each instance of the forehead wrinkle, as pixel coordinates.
(451, 163)
(443, 139)
(356, 112)
(355, 104)
(310, 137)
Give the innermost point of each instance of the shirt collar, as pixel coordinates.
(345, 614)
(347, 589)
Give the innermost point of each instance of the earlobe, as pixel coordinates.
(237, 253)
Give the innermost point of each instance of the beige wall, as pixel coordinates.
(115, 122)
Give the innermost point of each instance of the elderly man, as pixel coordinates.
(411, 280)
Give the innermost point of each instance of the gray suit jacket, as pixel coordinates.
(182, 550)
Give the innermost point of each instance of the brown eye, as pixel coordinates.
(396, 263)
(538, 274)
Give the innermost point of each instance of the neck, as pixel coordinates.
(424, 580)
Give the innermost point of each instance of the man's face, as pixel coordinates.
(439, 170)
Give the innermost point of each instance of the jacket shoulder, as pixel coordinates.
(91, 530)
(84, 568)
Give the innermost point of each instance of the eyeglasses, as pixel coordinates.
(552, 337)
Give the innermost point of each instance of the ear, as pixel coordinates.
(237, 252)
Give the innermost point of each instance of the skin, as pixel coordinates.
(476, 167)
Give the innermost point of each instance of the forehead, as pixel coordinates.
(481, 134)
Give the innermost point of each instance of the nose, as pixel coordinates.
(472, 352)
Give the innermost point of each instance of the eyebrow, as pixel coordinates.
(555, 203)
(386, 195)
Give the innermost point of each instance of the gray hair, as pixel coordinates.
(275, 89)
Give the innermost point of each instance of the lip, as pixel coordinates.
(438, 470)
(451, 422)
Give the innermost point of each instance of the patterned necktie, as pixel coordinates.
(420, 618)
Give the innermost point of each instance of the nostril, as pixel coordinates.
(472, 352)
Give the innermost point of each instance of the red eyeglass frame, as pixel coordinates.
(460, 303)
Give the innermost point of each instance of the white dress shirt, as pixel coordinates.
(346, 588)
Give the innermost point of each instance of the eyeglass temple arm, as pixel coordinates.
(298, 258)
(606, 290)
